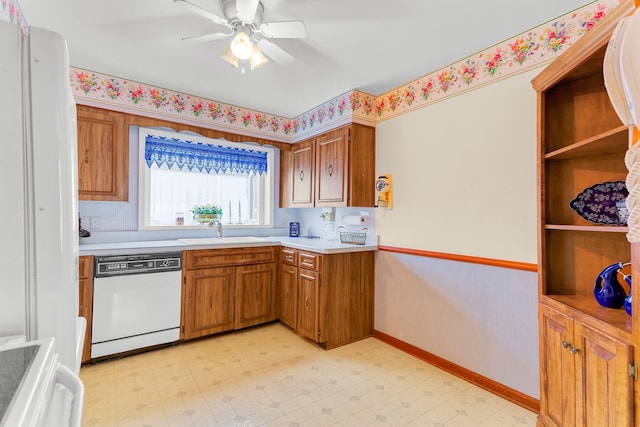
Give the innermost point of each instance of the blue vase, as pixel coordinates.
(607, 289)
(627, 300)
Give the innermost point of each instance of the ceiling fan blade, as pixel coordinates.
(208, 37)
(246, 9)
(202, 12)
(284, 30)
(275, 52)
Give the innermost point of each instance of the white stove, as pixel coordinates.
(35, 388)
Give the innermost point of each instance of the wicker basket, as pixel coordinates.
(352, 237)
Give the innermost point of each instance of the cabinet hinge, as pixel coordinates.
(318, 333)
(633, 370)
(183, 329)
(184, 280)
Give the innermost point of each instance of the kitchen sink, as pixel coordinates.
(222, 240)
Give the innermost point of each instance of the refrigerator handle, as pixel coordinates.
(67, 379)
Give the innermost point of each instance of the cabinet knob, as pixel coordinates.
(86, 155)
(574, 350)
(565, 344)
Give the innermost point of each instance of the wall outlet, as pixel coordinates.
(94, 222)
(328, 214)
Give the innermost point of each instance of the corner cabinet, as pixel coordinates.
(334, 169)
(327, 297)
(586, 350)
(103, 155)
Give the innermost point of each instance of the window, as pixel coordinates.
(180, 170)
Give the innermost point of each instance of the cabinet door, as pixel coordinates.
(604, 387)
(308, 286)
(102, 155)
(288, 295)
(85, 300)
(255, 294)
(208, 301)
(85, 310)
(302, 180)
(331, 168)
(557, 366)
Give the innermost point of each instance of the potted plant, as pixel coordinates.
(206, 213)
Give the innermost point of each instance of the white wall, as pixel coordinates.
(464, 175)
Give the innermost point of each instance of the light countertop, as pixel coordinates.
(153, 246)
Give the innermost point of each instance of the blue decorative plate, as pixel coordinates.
(603, 203)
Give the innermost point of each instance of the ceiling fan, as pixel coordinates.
(250, 34)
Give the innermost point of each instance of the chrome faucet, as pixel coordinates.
(217, 225)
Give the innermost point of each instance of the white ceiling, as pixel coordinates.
(369, 45)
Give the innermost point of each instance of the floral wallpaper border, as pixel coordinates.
(10, 11)
(525, 51)
(515, 55)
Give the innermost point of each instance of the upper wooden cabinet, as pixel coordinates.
(302, 156)
(334, 169)
(585, 349)
(103, 154)
(332, 156)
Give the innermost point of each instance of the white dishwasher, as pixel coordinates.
(136, 302)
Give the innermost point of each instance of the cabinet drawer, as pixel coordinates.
(85, 266)
(309, 260)
(222, 257)
(289, 256)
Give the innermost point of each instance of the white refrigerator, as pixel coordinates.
(38, 177)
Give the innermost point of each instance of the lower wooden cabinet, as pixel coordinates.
(585, 377)
(85, 295)
(226, 289)
(288, 295)
(308, 285)
(327, 297)
(208, 301)
(255, 294)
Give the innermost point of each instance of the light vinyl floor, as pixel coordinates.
(269, 376)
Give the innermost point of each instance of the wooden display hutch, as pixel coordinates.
(586, 351)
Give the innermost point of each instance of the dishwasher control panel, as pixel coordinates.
(112, 265)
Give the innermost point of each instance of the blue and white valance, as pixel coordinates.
(210, 158)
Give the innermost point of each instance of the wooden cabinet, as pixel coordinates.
(287, 292)
(255, 294)
(327, 297)
(225, 289)
(302, 156)
(308, 323)
(332, 157)
(334, 169)
(586, 380)
(85, 294)
(208, 301)
(581, 142)
(103, 154)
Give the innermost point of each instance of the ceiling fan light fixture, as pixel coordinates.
(230, 57)
(241, 46)
(257, 59)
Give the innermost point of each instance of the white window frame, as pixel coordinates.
(267, 198)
